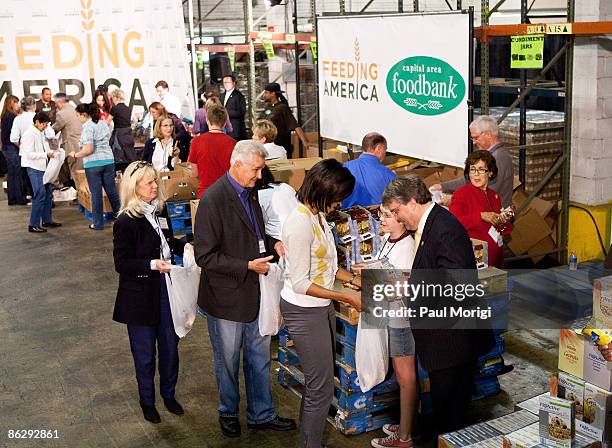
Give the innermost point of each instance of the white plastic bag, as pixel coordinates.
(270, 318)
(371, 356)
(54, 166)
(183, 284)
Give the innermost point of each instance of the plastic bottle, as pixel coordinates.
(573, 262)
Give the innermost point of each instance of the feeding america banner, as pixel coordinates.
(73, 46)
(405, 76)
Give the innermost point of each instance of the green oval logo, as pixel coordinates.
(425, 86)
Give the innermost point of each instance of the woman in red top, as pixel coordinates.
(104, 103)
(478, 207)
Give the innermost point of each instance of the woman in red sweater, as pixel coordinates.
(478, 207)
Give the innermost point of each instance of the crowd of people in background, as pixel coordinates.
(247, 219)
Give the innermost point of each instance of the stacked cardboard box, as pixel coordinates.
(84, 194)
(585, 377)
(292, 171)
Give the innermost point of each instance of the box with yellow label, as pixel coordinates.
(571, 352)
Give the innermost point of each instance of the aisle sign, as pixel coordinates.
(527, 51)
(559, 28)
(269, 49)
(378, 73)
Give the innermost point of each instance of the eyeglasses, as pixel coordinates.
(140, 165)
(481, 171)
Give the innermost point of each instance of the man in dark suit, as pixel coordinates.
(235, 103)
(442, 245)
(232, 250)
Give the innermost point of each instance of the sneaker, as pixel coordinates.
(390, 428)
(392, 441)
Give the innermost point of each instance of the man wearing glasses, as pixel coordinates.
(484, 132)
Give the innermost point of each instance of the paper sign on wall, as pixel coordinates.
(527, 51)
(313, 48)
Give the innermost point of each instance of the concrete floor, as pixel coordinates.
(65, 365)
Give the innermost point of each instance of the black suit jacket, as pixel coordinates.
(224, 243)
(135, 244)
(445, 246)
(149, 149)
(236, 110)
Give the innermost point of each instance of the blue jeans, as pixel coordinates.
(98, 177)
(42, 198)
(16, 187)
(228, 339)
(143, 339)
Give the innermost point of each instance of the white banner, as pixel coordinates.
(73, 46)
(405, 76)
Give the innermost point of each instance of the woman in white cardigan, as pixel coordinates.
(35, 154)
(306, 305)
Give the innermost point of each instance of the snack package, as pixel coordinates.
(365, 250)
(361, 222)
(572, 389)
(340, 224)
(557, 426)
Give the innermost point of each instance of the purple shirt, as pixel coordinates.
(243, 195)
(200, 126)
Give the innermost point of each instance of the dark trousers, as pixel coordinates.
(97, 178)
(313, 330)
(16, 187)
(451, 394)
(143, 339)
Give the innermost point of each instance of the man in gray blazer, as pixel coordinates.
(232, 249)
(484, 132)
(69, 127)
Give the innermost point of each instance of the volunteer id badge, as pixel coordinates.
(496, 236)
(262, 247)
(163, 223)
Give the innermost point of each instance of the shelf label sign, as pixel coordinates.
(269, 49)
(527, 51)
(559, 28)
(424, 85)
(313, 48)
(536, 29)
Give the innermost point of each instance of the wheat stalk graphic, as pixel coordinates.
(357, 57)
(87, 23)
(87, 14)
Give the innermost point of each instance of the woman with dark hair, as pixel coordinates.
(277, 201)
(306, 305)
(478, 207)
(98, 161)
(103, 101)
(279, 113)
(16, 186)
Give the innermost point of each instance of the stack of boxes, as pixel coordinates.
(585, 377)
(84, 197)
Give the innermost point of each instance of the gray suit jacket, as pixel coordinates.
(502, 184)
(67, 123)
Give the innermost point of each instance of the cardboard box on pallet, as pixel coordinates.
(557, 422)
(180, 185)
(292, 171)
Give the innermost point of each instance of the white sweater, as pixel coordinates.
(311, 257)
(33, 149)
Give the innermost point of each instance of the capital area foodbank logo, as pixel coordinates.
(424, 85)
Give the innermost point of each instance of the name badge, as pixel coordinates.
(496, 236)
(163, 223)
(262, 247)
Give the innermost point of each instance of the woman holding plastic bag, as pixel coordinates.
(306, 304)
(397, 247)
(143, 248)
